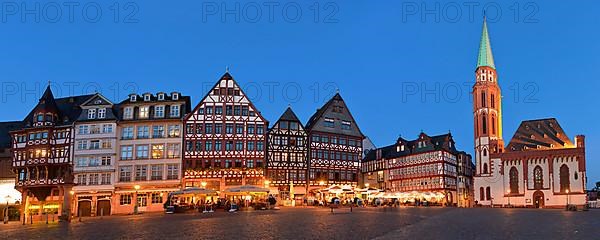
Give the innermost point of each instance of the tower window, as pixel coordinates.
(484, 124)
(483, 100)
(538, 178)
(493, 104)
(493, 125)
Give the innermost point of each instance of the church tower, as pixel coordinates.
(487, 108)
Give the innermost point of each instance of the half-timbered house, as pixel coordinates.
(425, 168)
(42, 155)
(335, 145)
(287, 163)
(225, 139)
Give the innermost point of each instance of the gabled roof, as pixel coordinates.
(485, 57)
(95, 101)
(289, 115)
(97, 96)
(539, 134)
(315, 123)
(438, 142)
(226, 76)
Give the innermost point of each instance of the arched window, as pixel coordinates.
(538, 178)
(564, 178)
(485, 152)
(483, 99)
(514, 180)
(488, 193)
(485, 168)
(476, 126)
(493, 125)
(484, 124)
(493, 104)
(481, 194)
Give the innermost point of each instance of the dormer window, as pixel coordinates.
(144, 112)
(346, 125)
(161, 96)
(174, 111)
(102, 113)
(146, 97)
(40, 117)
(128, 113)
(400, 148)
(175, 96)
(91, 114)
(133, 98)
(329, 122)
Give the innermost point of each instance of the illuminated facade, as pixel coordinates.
(335, 145)
(8, 193)
(540, 167)
(42, 155)
(287, 164)
(94, 155)
(427, 166)
(149, 151)
(225, 139)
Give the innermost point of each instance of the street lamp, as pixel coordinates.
(567, 198)
(7, 197)
(203, 183)
(135, 207)
(367, 185)
(508, 193)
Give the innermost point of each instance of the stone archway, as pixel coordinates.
(538, 199)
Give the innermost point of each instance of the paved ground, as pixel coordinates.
(319, 223)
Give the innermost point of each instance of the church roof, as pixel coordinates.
(485, 57)
(539, 134)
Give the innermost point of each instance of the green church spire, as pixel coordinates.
(485, 57)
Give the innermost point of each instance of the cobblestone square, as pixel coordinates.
(320, 223)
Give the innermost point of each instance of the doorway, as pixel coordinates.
(103, 207)
(84, 208)
(538, 199)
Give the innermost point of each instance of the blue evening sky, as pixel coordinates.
(401, 66)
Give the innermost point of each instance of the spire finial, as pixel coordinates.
(227, 69)
(485, 56)
(289, 105)
(337, 90)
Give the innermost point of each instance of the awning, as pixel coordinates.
(246, 189)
